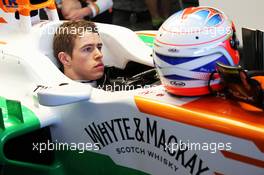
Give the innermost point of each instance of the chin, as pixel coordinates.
(98, 76)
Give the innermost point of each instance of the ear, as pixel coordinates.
(64, 58)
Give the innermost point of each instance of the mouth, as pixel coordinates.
(100, 66)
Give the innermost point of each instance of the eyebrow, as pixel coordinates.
(86, 45)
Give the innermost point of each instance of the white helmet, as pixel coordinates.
(188, 45)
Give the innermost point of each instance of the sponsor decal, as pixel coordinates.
(173, 50)
(177, 83)
(147, 131)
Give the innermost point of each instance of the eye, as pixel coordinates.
(87, 49)
(99, 47)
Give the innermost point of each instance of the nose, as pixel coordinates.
(98, 54)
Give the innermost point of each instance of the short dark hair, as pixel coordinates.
(66, 34)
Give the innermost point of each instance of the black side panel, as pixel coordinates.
(253, 49)
(21, 148)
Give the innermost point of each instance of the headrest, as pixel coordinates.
(47, 31)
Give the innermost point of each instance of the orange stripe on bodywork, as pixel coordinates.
(244, 159)
(146, 34)
(249, 107)
(215, 114)
(2, 20)
(2, 42)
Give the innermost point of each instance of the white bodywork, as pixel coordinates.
(26, 61)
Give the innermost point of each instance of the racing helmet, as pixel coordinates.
(187, 47)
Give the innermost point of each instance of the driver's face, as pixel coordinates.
(86, 60)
